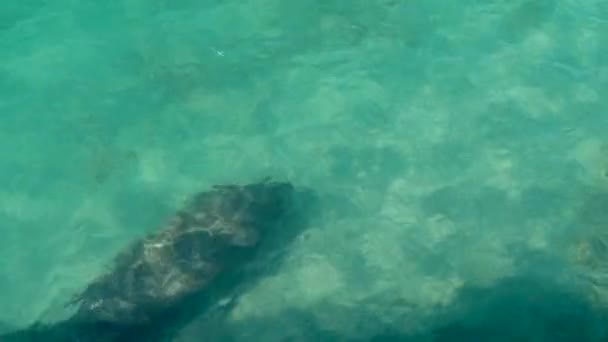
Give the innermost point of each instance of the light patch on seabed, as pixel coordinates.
(592, 155)
(20, 206)
(538, 43)
(152, 166)
(296, 288)
(94, 211)
(584, 93)
(501, 163)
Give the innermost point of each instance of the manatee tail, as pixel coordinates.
(69, 331)
(34, 333)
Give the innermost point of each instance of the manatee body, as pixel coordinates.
(152, 281)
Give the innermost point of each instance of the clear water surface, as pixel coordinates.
(460, 146)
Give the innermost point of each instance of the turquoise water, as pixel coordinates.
(460, 149)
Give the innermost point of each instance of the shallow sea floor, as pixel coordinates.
(459, 149)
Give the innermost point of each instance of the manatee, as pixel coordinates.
(196, 257)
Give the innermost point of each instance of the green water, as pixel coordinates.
(459, 146)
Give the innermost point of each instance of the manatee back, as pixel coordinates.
(217, 231)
